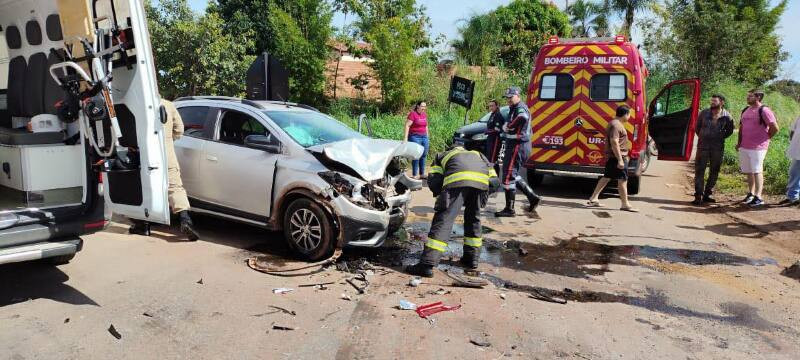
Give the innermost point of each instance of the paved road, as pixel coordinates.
(671, 282)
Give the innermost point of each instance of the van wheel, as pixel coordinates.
(60, 260)
(308, 230)
(633, 185)
(535, 179)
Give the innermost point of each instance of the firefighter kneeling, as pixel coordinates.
(458, 178)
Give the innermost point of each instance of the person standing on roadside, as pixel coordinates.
(494, 127)
(517, 138)
(617, 148)
(416, 131)
(793, 153)
(714, 125)
(756, 127)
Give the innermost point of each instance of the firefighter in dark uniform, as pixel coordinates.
(517, 137)
(494, 127)
(458, 178)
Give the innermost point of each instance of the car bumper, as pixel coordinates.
(40, 250)
(363, 227)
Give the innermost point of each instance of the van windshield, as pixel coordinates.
(309, 128)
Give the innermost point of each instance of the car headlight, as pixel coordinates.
(480, 137)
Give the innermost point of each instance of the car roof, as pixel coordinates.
(258, 104)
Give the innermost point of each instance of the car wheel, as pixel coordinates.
(535, 179)
(652, 149)
(634, 183)
(60, 260)
(308, 229)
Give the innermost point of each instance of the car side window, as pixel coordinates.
(194, 120)
(608, 87)
(236, 126)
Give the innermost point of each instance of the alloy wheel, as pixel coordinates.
(305, 229)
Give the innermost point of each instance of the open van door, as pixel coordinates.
(672, 118)
(139, 192)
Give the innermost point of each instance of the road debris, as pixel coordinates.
(414, 282)
(481, 343)
(200, 281)
(113, 331)
(602, 214)
(503, 296)
(282, 290)
(285, 311)
(463, 280)
(792, 271)
(66, 320)
(427, 310)
(346, 297)
(262, 264)
(147, 314)
(361, 290)
(407, 305)
(441, 291)
(281, 327)
(321, 286)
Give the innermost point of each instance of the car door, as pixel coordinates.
(672, 118)
(236, 177)
(139, 193)
(198, 125)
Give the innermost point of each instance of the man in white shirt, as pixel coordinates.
(793, 153)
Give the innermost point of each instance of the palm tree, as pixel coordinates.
(582, 16)
(602, 27)
(629, 8)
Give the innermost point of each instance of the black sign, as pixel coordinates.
(461, 90)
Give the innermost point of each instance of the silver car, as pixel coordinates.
(288, 167)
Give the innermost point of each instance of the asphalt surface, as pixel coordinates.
(673, 281)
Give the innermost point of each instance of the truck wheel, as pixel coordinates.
(634, 184)
(60, 260)
(535, 179)
(308, 230)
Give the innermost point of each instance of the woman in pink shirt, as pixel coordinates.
(417, 132)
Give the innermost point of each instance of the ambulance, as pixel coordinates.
(575, 88)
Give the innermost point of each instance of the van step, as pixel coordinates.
(39, 251)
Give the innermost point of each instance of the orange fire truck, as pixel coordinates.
(574, 90)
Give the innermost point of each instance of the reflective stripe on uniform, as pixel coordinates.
(474, 242)
(437, 170)
(468, 176)
(436, 244)
(492, 173)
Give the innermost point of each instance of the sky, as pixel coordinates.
(446, 16)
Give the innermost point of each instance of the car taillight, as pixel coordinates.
(95, 225)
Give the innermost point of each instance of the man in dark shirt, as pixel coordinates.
(714, 125)
(494, 127)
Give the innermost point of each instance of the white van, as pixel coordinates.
(66, 165)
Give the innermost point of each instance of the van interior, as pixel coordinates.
(42, 167)
(65, 119)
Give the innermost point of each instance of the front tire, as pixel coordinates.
(308, 229)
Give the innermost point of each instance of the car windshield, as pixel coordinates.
(309, 128)
(503, 110)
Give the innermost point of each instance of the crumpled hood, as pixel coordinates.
(368, 157)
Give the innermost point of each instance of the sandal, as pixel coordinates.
(593, 204)
(629, 209)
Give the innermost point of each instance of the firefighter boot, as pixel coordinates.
(140, 227)
(533, 198)
(430, 258)
(470, 258)
(187, 227)
(508, 211)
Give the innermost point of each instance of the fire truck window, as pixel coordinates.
(607, 87)
(556, 87)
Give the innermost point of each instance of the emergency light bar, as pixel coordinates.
(619, 39)
(553, 40)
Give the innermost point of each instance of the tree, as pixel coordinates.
(717, 40)
(787, 87)
(602, 27)
(583, 17)
(194, 56)
(295, 31)
(395, 29)
(629, 8)
(518, 30)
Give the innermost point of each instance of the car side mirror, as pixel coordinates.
(267, 143)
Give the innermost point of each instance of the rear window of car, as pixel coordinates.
(556, 87)
(194, 120)
(608, 87)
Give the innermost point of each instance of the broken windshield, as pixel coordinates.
(310, 128)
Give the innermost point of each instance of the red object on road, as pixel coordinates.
(427, 310)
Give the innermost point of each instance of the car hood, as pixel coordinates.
(472, 129)
(367, 157)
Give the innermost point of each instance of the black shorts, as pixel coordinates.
(612, 172)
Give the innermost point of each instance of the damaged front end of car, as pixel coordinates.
(368, 186)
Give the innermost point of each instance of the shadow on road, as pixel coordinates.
(21, 282)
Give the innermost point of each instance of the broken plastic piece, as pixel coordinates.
(427, 310)
(113, 331)
(282, 290)
(407, 305)
(414, 282)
